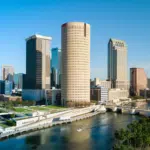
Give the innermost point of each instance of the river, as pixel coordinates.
(97, 134)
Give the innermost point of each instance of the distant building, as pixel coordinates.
(138, 80)
(148, 83)
(2, 87)
(8, 87)
(117, 64)
(56, 68)
(51, 96)
(115, 95)
(18, 80)
(145, 93)
(103, 83)
(56, 96)
(75, 62)
(99, 94)
(37, 62)
(7, 72)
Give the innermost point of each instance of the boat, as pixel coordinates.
(79, 130)
(101, 109)
(133, 112)
(114, 109)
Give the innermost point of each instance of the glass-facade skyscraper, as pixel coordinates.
(18, 80)
(56, 67)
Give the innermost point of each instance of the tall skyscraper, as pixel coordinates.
(117, 64)
(138, 80)
(75, 42)
(37, 62)
(7, 72)
(56, 67)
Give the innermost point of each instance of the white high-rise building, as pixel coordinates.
(117, 64)
(75, 62)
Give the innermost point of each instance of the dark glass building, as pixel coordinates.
(37, 62)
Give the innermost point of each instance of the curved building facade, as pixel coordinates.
(75, 62)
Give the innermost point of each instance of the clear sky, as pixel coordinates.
(127, 20)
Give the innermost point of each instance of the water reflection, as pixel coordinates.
(97, 133)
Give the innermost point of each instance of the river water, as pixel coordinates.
(97, 134)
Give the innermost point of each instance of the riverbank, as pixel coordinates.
(97, 132)
(75, 115)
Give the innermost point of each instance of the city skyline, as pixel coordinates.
(103, 27)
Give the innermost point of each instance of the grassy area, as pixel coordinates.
(38, 108)
(54, 107)
(22, 110)
(3, 125)
(46, 108)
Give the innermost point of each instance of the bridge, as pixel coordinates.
(128, 109)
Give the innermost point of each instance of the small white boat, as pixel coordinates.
(114, 109)
(101, 109)
(79, 130)
(132, 112)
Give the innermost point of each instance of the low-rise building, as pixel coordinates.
(99, 94)
(102, 83)
(115, 95)
(145, 93)
(50, 96)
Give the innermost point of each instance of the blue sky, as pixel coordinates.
(128, 20)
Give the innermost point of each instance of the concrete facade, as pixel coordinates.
(99, 94)
(103, 83)
(37, 62)
(117, 64)
(138, 80)
(75, 62)
(116, 94)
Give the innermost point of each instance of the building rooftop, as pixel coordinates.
(39, 36)
(119, 42)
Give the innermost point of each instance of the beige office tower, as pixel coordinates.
(117, 64)
(75, 62)
(7, 72)
(37, 62)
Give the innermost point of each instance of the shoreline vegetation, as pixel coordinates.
(135, 137)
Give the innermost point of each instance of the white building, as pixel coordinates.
(103, 83)
(115, 95)
(103, 94)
